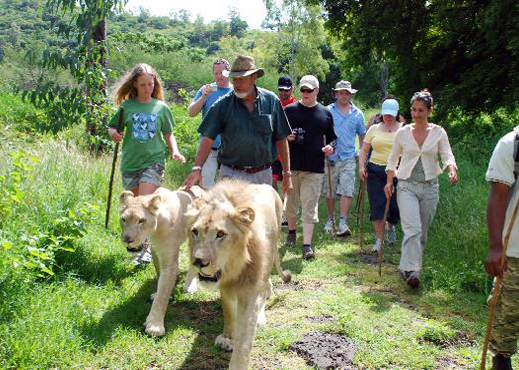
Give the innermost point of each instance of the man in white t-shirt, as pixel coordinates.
(501, 203)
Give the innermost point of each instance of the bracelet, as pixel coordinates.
(287, 173)
(196, 168)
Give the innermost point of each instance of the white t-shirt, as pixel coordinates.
(501, 169)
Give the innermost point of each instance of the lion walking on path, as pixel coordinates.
(234, 230)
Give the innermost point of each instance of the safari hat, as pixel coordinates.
(344, 85)
(243, 66)
(390, 106)
(309, 81)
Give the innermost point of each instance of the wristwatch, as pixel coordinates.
(196, 168)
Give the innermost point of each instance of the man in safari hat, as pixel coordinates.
(253, 128)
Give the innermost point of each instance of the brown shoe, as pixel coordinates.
(291, 239)
(308, 253)
(413, 280)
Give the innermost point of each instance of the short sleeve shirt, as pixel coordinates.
(381, 142)
(144, 126)
(209, 101)
(501, 169)
(248, 138)
(347, 127)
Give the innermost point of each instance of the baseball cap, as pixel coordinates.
(344, 85)
(285, 83)
(390, 106)
(309, 81)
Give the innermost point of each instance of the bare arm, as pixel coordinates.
(282, 148)
(173, 148)
(196, 106)
(364, 150)
(204, 148)
(496, 211)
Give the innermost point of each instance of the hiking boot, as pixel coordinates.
(291, 239)
(391, 234)
(344, 230)
(500, 362)
(308, 253)
(284, 221)
(328, 227)
(376, 246)
(413, 280)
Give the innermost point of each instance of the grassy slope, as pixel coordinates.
(90, 316)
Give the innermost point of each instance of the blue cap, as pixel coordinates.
(390, 107)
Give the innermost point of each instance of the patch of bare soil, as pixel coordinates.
(320, 319)
(369, 258)
(447, 363)
(325, 350)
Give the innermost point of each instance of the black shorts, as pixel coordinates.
(377, 179)
(277, 170)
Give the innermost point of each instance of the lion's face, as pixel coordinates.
(218, 239)
(138, 219)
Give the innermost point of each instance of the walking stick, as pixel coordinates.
(330, 189)
(116, 150)
(497, 287)
(360, 214)
(386, 212)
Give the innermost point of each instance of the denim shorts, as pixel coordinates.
(153, 174)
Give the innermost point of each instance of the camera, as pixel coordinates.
(300, 135)
(213, 87)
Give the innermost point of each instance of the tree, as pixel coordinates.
(237, 26)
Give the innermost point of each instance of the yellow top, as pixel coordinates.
(381, 142)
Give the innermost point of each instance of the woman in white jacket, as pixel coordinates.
(419, 145)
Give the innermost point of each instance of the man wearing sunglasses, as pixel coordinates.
(312, 138)
(348, 124)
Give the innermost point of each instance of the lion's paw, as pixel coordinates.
(156, 330)
(262, 319)
(224, 343)
(191, 287)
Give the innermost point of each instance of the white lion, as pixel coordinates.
(234, 230)
(160, 217)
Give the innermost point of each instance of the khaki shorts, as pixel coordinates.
(306, 191)
(153, 174)
(343, 178)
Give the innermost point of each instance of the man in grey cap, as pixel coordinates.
(253, 128)
(348, 123)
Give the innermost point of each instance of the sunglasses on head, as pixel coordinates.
(303, 90)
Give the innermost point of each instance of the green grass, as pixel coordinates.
(89, 315)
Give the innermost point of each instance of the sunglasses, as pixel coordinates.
(308, 91)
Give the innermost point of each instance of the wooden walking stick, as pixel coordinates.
(380, 257)
(330, 189)
(360, 214)
(497, 287)
(120, 124)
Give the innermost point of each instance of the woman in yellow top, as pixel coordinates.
(380, 137)
(420, 146)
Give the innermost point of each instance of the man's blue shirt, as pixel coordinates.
(209, 101)
(346, 127)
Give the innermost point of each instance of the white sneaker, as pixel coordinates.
(344, 230)
(328, 227)
(376, 246)
(391, 234)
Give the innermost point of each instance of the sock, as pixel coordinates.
(306, 245)
(292, 231)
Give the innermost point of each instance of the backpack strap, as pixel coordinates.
(516, 152)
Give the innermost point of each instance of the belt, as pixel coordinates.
(250, 169)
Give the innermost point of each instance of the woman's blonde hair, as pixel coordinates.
(125, 87)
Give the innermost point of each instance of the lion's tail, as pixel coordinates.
(286, 275)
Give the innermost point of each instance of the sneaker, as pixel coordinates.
(376, 246)
(391, 234)
(328, 227)
(284, 221)
(143, 257)
(308, 253)
(291, 239)
(500, 362)
(414, 280)
(344, 230)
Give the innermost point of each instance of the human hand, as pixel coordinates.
(291, 137)
(493, 262)
(115, 135)
(389, 189)
(327, 150)
(453, 176)
(207, 90)
(363, 174)
(178, 157)
(286, 184)
(195, 178)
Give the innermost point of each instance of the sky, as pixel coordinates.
(251, 11)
